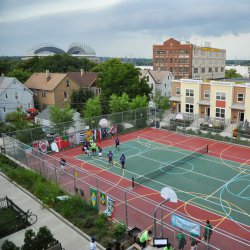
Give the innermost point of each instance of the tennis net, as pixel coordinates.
(153, 174)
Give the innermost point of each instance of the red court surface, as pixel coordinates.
(226, 228)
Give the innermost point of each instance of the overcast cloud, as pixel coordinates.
(124, 28)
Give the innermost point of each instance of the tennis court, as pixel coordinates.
(196, 177)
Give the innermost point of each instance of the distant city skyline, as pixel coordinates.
(124, 28)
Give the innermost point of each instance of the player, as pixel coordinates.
(117, 143)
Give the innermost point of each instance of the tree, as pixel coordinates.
(161, 102)
(79, 98)
(92, 108)
(61, 118)
(29, 240)
(139, 102)
(231, 73)
(18, 119)
(44, 239)
(9, 245)
(115, 77)
(118, 103)
(19, 74)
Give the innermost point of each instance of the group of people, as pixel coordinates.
(105, 134)
(194, 239)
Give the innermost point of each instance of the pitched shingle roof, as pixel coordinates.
(158, 76)
(41, 81)
(86, 80)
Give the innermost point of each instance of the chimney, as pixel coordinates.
(82, 72)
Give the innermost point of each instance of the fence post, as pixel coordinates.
(56, 174)
(126, 208)
(14, 150)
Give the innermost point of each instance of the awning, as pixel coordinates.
(175, 98)
(238, 106)
(204, 102)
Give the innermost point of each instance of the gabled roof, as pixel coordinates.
(158, 76)
(86, 80)
(42, 81)
(5, 82)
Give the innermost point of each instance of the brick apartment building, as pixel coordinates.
(186, 60)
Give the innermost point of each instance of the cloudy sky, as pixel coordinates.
(124, 28)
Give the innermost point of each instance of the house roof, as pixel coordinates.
(158, 76)
(5, 82)
(86, 80)
(41, 81)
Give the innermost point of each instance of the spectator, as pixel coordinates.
(63, 165)
(122, 160)
(168, 247)
(145, 238)
(104, 134)
(181, 240)
(246, 124)
(92, 245)
(208, 231)
(112, 132)
(194, 239)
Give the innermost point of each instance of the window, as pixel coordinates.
(240, 97)
(4, 109)
(221, 69)
(165, 85)
(65, 95)
(171, 60)
(43, 94)
(16, 95)
(189, 92)
(148, 78)
(195, 70)
(6, 95)
(220, 96)
(189, 108)
(220, 113)
(203, 70)
(67, 83)
(210, 70)
(178, 91)
(216, 69)
(206, 94)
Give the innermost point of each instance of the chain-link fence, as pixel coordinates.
(134, 209)
(206, 127)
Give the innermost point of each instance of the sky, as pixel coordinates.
(124, 28)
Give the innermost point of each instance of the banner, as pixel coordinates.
(110, 207)
(185, 224)
(93, 198)
(103, 199)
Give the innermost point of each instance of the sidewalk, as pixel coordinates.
(69, 236)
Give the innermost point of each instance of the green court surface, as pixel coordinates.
(211, 183)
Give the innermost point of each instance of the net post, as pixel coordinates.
(207, 148)
(133, 182)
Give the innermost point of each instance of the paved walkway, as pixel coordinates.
(69, 236)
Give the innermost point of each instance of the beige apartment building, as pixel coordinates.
(214, 99)
(187, 60)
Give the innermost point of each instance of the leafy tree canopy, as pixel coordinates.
(231, 73)
(19, 74)
(161, 102)
(61, 118)
(117, 78)
(119, 103)
(139, 102)
(92, 108)
(79, 98)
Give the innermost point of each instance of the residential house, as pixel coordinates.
(86, 80)
(159, 81)
(13, 95)
(51, 88)
(219, 100)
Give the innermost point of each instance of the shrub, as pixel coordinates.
(9, 245)
(119, 229)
